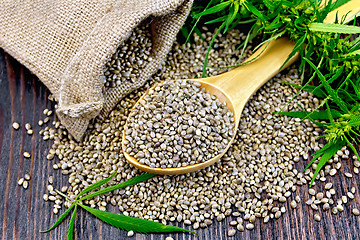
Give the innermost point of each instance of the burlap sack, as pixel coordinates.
(66, 43)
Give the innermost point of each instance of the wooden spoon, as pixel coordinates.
(238, 85)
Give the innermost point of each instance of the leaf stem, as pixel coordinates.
(63, 195)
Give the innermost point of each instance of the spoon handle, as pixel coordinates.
(349, 10)
(242, 82)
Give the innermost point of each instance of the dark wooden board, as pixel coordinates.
(23, 212)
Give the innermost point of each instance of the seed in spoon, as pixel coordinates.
(178, 124)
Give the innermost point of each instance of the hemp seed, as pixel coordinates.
(355, 211)
(21, 181)
(27, 177)
(130, 233)
(16, 125)
(231, 232)
(25, 184)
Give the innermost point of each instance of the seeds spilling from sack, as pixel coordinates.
(130, 58)
(178, 124)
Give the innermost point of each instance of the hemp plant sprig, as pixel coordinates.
(117, 220)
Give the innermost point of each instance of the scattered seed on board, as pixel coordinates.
(283, 209)
(319, 195)
(50, 188)
(240, 227)
(169, 238)
(355, 211)
(16, 125)
(293, 204)
(231, 232)
(130, 233)
(235, 214)
(317, 217)
(328, 185)
(356, 161)
(332, 172)
(352, 190)
(25, 184)
(187, 222)
(326, 206)
(30, 131)
(313, 206)
(350, 195)
(52, 198)
(27, 155)
(340, 208)
(46, 197)
(324, 200)
(27, 177)
(233, 223)
(312, 191)
(250, 226)
(27, 126)
(334, 210)
(51, 180)
(349, 175)
(21, 181)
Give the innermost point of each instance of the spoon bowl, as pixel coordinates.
(237, 86)
(213, 90)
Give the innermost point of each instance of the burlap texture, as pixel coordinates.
(67, 43)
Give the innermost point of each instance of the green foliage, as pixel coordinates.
(71, 225)
(330, 56)
(60, 219)
(334, 28)
(129, 223)
(129, 182)
(117, 220)
(95, 185)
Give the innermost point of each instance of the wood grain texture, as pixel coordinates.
(23, 213)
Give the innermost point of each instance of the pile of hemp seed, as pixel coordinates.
(178, 123)
(251, 183)
(130, 57)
